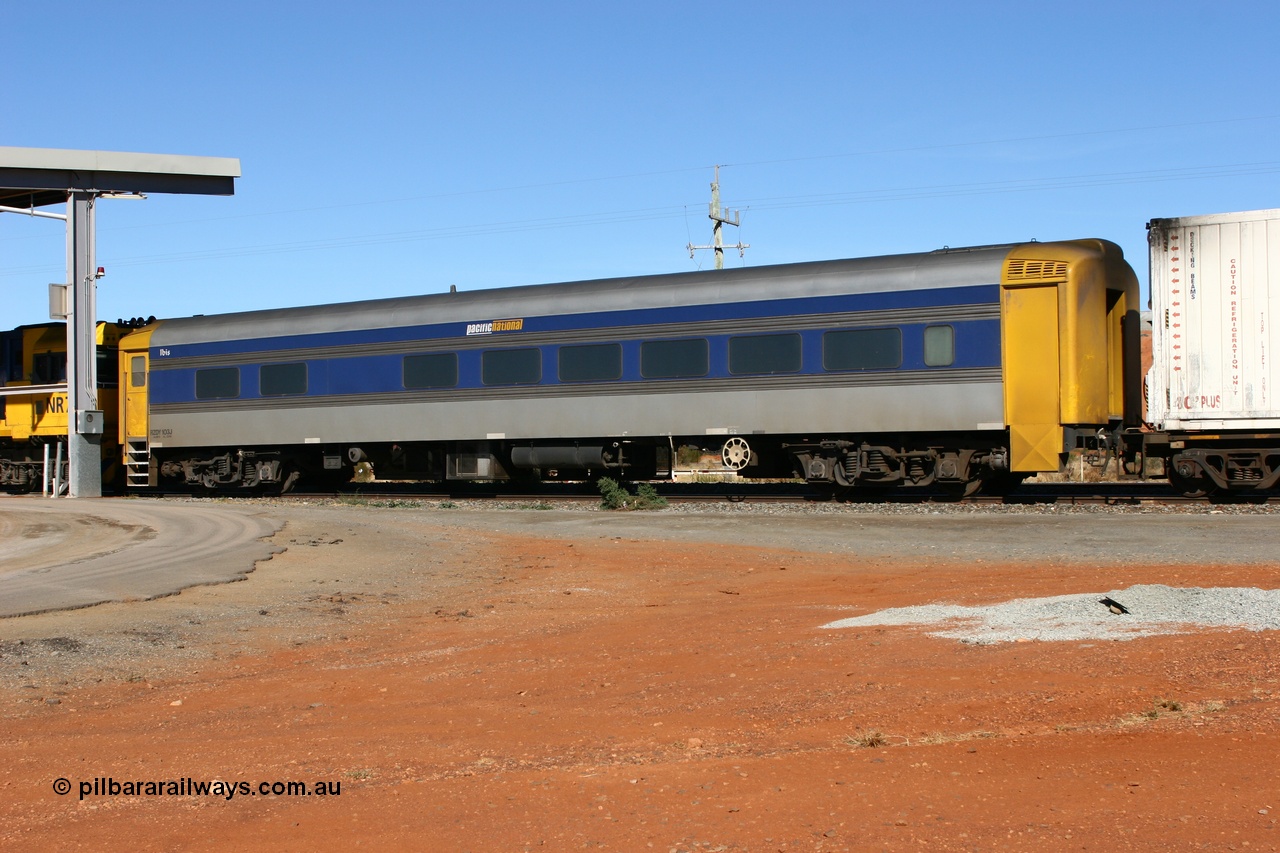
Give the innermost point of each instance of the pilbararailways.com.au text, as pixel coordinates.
(106, 786)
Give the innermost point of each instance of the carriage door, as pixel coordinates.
(133, 387)
(1031, 378)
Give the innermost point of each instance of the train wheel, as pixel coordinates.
(736, 454)
(290, 480)
(1191, 487)
(949, 492)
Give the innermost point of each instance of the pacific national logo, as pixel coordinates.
(495, 326)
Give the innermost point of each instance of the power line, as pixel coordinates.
(671, 212)
(1043, 138)
(1015, 185)
(682, 170)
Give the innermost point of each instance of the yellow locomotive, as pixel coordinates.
(33, 401)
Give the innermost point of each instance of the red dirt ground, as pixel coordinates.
(636, 695)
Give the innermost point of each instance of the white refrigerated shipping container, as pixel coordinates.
(1215, 303)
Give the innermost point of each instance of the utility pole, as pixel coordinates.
(730, 217)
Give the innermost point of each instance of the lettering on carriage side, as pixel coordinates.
(1234, 292)
(490, 327)
(1191, 257)
(164, 351)
(1173, 314)
(1203, 401)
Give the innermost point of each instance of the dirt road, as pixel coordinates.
(62, 554)
(494, 681)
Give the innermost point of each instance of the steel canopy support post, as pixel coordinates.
(39, 177)
(84, 421)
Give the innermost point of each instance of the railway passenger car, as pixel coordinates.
(944, 370)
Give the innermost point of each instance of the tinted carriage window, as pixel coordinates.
(511, 367)
(590, 363)
(217, 383)
(137, 371)
(673, 359)
(764, 354)
(939, 345)
(434, 370)
(862, 349)
(277, 380)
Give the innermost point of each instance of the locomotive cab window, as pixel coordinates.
(939, 345)
(432, 370)
(48, 368)
(764, 354)
(511, 366)
(862, 349)
(590, 363)
(217, 383)
(673, 359)
(280, 380)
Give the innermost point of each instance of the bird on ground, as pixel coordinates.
(1114, 606)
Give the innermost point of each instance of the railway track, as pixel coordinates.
(1069, 494)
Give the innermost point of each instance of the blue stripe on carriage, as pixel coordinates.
(977, 345)
(987, 294)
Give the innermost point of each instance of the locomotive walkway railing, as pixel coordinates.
(14, 390)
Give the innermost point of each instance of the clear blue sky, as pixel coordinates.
(399, 148)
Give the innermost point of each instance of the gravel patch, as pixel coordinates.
(1153, 609)
(749, 506)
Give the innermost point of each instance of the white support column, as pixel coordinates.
(84, 420)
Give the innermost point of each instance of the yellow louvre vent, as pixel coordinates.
(1032, 269)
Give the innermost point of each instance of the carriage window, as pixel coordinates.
(278, 380)
(862, 349)
(673, 359)
(511, 366)
(217, 383)
(137, 371)
(939, 345)
(434, 370)
(591, 363)
(764, 354)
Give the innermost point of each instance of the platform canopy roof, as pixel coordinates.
(36, 177)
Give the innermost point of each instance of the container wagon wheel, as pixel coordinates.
(1191, 487)
(735, 454)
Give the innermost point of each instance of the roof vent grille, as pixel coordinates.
(1031, 269)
